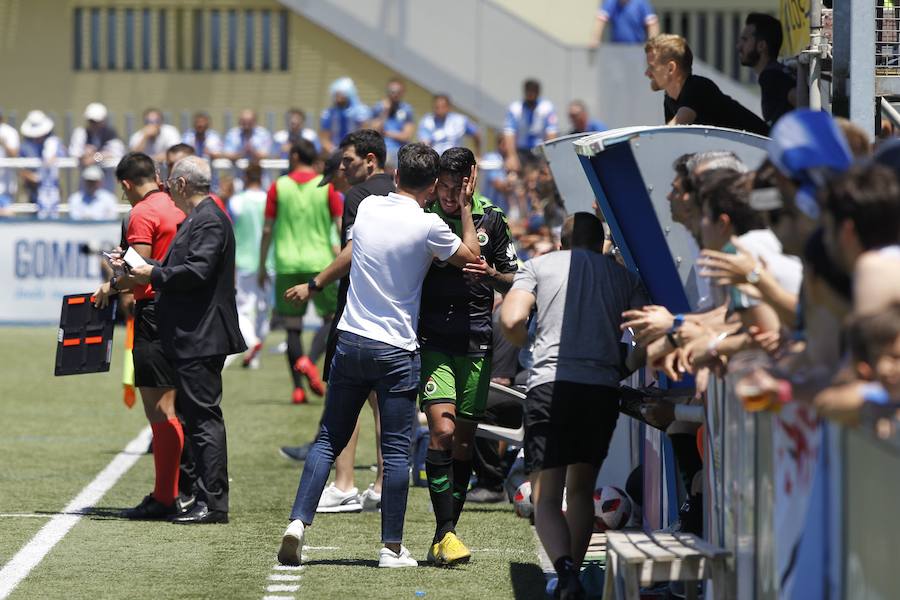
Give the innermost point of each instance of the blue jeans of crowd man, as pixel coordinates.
(362, 365)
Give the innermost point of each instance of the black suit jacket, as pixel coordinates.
(195, 289)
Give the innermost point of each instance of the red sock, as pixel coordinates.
(168, 442)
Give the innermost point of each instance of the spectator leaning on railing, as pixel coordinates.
(97, 141)
(92, 202)
(692, 99)
(38, 141)
(9, 148)
(207, 143)
(155, 137)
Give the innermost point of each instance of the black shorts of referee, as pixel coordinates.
(151, 368)
(568, 423)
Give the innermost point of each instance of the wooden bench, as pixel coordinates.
(635, 559)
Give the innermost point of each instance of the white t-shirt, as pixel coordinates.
(394, 244)
(10, 137)
(168, 137)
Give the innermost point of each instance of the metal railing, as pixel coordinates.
(70, 167)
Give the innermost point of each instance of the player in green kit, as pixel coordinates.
(300, 215)
(455, 334)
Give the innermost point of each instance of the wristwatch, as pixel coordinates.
(677, 322)
(313, 286)
(753, 276)
(113, 282)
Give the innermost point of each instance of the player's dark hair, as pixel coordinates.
(457, 161)
(767, 28)
(728, 193)
(365, 142)
(681, 169)
(136, 167)
(304, 151)
(582, 230)
(417, 167)
(870, 335)
(253, 173)
(870, 197)
(185, 149)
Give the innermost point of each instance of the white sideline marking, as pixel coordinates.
(288, 568)
(282, 588)
(277, 577)
(50, 534)
(278, 598)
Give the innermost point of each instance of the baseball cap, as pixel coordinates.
(92, 173)
(95, 111)
(332, 165)
(808, 147)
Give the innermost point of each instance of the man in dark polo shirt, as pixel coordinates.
(758, 49)
(691, 99)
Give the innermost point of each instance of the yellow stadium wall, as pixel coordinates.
(36, 37)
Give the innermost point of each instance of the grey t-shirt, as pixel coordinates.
(580, 297)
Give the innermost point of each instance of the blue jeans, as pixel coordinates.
(359, 366)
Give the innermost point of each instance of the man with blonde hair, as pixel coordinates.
(691, 99)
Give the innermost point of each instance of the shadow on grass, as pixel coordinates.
(528, 581)
(94, 512)
(344, 562)
(499, 508)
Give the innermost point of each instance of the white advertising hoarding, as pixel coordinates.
(42, 261)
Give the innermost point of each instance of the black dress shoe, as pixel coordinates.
(150, 509)
(200, 515)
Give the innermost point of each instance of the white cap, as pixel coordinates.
(92, 173)
(36, 124)
(95, 112)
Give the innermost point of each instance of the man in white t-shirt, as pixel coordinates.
(392, 244)
(155, 137)
(9, 148)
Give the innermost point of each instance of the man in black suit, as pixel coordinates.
(198, 327)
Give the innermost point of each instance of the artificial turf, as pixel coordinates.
(57, 433)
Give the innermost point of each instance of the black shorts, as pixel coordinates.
(151, 367)
(568, 423)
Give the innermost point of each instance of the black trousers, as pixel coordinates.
(197, 400)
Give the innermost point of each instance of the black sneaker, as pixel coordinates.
(481, 495)
(298, 453)
(150, 509)
(184, 504)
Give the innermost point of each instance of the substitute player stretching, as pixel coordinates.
(299, 218)
(455, 330)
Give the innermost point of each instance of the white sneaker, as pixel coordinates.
(370, 499)
(388, 559)
(334, 500)
(291, 544)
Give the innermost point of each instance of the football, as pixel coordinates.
(522, 501)
(612, 508)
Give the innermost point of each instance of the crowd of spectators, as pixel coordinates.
(512, 177)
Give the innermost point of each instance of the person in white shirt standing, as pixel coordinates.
(92, 202)
(392, 244)
(155, 137)
(9, 148)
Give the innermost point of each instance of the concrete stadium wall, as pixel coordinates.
(36, 38)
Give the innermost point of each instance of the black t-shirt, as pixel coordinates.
(455, 316)
(713, 107)
(776, 81)
(376, 185)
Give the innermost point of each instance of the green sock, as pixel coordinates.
(439, 469)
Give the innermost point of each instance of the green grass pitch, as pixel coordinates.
(57, 433)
